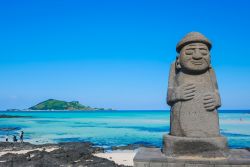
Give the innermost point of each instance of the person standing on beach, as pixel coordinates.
(14, 139)
(6, 139)
(21, 136)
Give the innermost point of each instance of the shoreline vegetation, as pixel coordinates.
(59, 105)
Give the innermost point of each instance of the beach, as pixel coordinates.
(120, 157)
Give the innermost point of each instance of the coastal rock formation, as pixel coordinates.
(52, 155)
(13, 116)
(10, 129)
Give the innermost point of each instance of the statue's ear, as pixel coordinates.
(177, 63)
(210, 66)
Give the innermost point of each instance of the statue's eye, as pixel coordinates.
(189, 52)
(204, 52)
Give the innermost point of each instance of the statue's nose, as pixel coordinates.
(197, 55)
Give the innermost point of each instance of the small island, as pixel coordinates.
(53, 104)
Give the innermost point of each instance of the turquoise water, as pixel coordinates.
(112, 128)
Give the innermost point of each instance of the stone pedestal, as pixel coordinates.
(153, 157)
(212, 146)
(192, 152)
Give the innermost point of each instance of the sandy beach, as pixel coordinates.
(120, 157)
(24, 151)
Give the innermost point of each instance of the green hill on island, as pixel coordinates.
(52, 104)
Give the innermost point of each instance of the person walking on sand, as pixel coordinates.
(21, 136)
(14, 139)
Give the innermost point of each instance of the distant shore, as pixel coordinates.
(13, 116)
(247, 111)
(28, 110)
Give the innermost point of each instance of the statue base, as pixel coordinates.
(192, 152)
(153, 157)
(212, 147)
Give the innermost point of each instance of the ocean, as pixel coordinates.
(113, 128)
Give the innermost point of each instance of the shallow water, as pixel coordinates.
(112, 128)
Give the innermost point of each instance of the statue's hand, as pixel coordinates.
(209, 101)
(186, 91)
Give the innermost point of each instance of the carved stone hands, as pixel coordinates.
(185, 91)
(210, 101)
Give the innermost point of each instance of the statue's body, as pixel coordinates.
(192, 90)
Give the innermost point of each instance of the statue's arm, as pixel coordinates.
(171, 95)
(176, 92)
(216, 91)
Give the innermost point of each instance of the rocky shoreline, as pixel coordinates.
(13, 116)
(51, 155)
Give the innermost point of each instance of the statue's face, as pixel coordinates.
(195, 57)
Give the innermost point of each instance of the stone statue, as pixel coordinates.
(192, 90)
(194, 139)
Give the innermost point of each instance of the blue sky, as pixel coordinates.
(116, 54)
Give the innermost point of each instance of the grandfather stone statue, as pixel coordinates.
(192, 90)
(194, 98)
(194, 139)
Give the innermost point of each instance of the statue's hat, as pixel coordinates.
(191, 38)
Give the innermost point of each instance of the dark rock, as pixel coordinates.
(14, 116)
(9, 129)
(67, 154)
